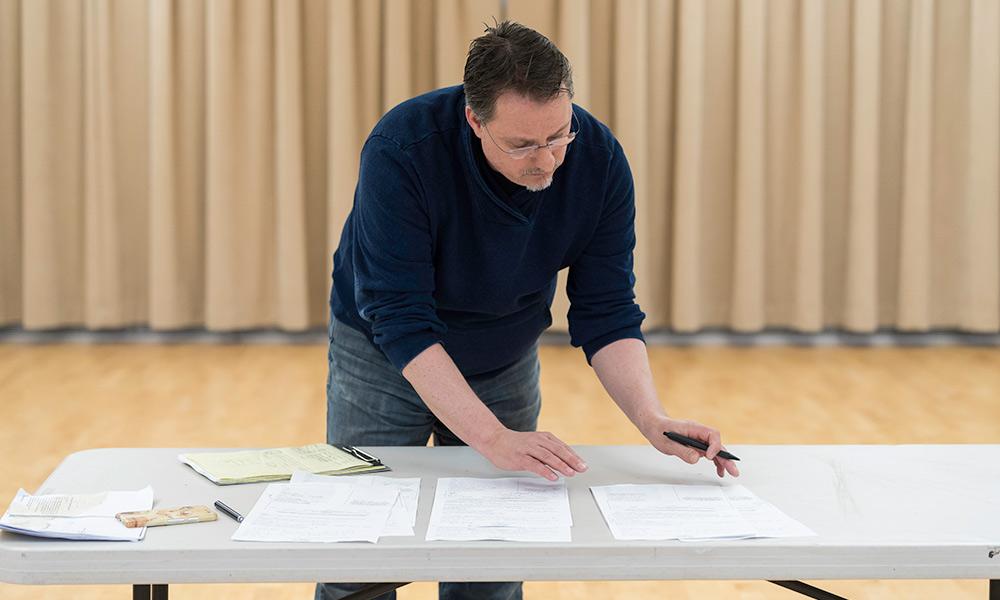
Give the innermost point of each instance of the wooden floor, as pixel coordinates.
(63, 398)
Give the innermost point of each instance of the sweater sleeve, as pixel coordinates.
(600, 284)
(393, 254)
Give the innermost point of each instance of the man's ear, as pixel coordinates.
(474, 123)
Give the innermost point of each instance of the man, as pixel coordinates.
(470, 199)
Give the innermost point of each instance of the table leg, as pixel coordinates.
(373, 591)
(994, 589)
(155, 591)
(807, 590)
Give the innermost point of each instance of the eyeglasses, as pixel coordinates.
(526, 151)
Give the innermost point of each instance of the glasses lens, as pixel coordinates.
(519, 153)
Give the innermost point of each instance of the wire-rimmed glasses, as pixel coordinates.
(526, 151)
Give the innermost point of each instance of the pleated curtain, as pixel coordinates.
(799, 164)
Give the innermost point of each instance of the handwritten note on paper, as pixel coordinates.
(273, 464)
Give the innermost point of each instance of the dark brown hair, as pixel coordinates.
(512, 57)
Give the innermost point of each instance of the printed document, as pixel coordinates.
(690, 512)
(524, 509)
(402, 518)
(312, 512)
(663, 512)
(102, 504)
(767, 520)
(77, 516)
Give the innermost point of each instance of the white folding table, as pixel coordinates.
(880, 512)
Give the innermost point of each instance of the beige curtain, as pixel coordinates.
(800, 164)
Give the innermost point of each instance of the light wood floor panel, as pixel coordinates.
(58, 399)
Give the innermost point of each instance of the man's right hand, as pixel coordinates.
(442, 387)
(539, 452)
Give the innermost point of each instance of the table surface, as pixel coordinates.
(880, 512)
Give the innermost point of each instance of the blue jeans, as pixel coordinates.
(369, 403)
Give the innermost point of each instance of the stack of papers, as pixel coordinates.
(309, 509)
(691, 512)
(274, 464)
(523, 509)
(402, 517)
(77, 516)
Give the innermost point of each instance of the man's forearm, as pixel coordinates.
(623, 368)
(443, 389)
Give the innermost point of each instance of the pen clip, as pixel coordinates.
(350, 450)
(361, 454)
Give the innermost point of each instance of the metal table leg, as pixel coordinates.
(808, 590)
(156, 591)
(374, 591)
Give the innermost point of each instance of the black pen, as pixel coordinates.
(219, 504)
(358, 453)
(693, 443)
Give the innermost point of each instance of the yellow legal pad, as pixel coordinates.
(275, 464)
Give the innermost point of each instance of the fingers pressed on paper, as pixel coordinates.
(566, 454)
(538, 468)
(553, 461)
(553, 441)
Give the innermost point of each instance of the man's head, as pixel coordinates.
(519, 92)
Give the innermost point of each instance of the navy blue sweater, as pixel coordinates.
(432, 253)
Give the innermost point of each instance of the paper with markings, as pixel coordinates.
(77, 516)
(402, 518)
(521, 509)
(273, 464)
(102, 504)
(311, 512)
(765, 518)
(690, 512)
(663, 512)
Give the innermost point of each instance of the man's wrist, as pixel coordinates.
(486, 437)
(650, 424)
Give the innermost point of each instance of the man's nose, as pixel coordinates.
(544, 159)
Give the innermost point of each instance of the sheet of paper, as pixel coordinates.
(402, 518)
(73, 528)
(765, 518)
(310, 512)
(106, 528)
(102, 504)
(663, 511)
(509, 508)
